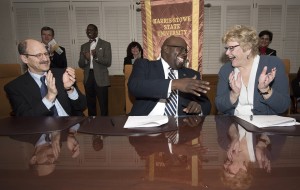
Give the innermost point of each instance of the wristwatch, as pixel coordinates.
(69, 89)
(264, 93)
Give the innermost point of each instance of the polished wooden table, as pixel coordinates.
(112, 157)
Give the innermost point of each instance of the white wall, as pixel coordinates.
(7, 45)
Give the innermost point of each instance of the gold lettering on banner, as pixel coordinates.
(162, 33)
(171, 26)
(172, 20)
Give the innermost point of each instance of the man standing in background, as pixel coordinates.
(57, 53)
(95, 58)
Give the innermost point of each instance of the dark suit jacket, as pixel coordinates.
(271, 106)
(26, 100)
(59, 61)
(147, 84)
(270, 51)
(101, 62)
(127, 60)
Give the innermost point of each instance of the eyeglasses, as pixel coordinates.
(39, 55)
(230, 48)
(182, 49)
(47, 162)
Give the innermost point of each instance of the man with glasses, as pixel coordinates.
(40, 91)
(153, 87)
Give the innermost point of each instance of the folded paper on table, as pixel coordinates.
(145, 121)
(262, 121)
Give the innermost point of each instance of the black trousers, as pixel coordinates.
(93, 91)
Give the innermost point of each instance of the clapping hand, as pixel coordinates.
(86, 55)
(52, 91)
(69, 78)
(235, 84)
(266, 78)
(55, 143)
(233, 149)
(73, 145)
(94, 53)
(262, 159)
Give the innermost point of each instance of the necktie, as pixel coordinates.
(43, 88)
(44, 91)
(47, 48)
(92, 40)
(172, 137)
(171, 103)
(47, 137)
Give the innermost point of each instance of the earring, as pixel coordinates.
(247, 56)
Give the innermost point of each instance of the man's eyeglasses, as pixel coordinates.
(230, 48)
(39, 55)
(47, 162)
(181, 49)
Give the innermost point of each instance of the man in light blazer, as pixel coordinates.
(95, 58)
(150, 86)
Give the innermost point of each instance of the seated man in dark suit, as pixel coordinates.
(57, 53)
(152, 86)
(43, 92)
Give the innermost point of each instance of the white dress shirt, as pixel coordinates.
(159, 108)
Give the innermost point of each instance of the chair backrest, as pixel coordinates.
(287, 67)
(129, 99)
(80, 83)
(8, 72)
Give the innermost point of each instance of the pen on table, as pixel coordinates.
(112, 122)
(251, 117)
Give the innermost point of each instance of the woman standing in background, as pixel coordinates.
(134, 51)
(265, 39)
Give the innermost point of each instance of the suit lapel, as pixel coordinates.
(32, 87)
(181, 74)
(159, 68)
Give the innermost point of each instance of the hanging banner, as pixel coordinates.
(164, 18)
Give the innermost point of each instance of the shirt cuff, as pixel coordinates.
(74, 95)
(47, 103)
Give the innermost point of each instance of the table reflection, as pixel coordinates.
(47, 148)
(211, 152)
(245, 151)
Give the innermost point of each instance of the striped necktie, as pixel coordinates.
(172, 137)
(44, 91)
(171, 102)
